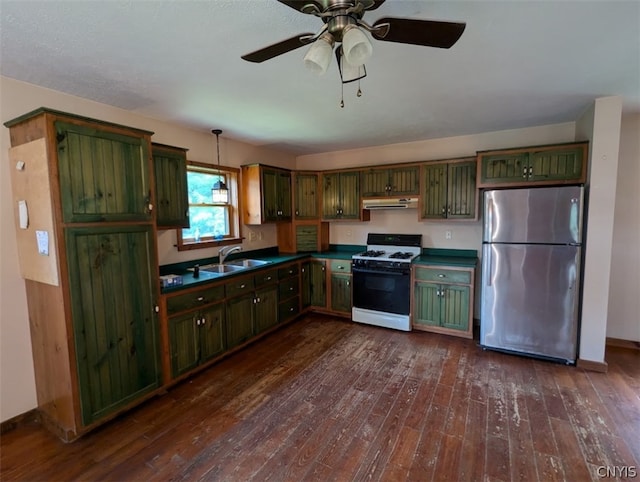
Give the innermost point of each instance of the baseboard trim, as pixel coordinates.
(592, 366)
(617, 342)
(32, 415)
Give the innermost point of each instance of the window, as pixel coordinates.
(210, 223)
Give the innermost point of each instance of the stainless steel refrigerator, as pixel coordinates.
(531, 271)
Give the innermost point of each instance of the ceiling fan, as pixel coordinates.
(343, 24)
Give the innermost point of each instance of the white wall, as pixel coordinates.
(17, 383)
(601, 126)
(624, 302)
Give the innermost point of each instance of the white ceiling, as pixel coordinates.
(518, 64)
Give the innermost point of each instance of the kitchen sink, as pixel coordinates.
(247, 263)
(221, 268)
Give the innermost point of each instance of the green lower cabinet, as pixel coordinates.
(314, 284)
(112, 287)
(196, 337)
(441, 305)
(266, 308)
(240, 325)
(341, 293)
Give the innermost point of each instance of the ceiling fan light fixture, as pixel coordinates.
(356, 46)
(318, 56)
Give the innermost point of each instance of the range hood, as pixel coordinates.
(390, 203)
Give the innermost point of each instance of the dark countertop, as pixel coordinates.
(430, 256)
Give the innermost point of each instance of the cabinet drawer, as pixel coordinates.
(291, 270)
(443, 275)
(288, 288)
(340, 266)
(288, 309)
(239, 287)
(266, 277)
(194, 299)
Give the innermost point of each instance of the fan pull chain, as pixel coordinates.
(341, 95)
(359, 94)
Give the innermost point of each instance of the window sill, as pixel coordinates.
(214, 243)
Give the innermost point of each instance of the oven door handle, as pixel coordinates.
(375, 271)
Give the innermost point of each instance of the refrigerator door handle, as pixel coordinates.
(489, 265)
(489, 230)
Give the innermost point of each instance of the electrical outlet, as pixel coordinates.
(252, 236)
(447, 234)
(260, 235)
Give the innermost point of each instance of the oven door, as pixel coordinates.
(387, 291)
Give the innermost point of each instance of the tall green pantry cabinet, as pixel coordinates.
(88, 255)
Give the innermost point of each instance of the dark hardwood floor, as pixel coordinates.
(325, 399)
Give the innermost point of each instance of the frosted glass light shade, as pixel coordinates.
(318, 57)
(356, 46)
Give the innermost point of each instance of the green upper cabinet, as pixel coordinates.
(266, 194)
(112, 286)
(397, 181)
(104, 176)
(306, 196)
(556, 164)
(449, 190)
(172, 199)
(341, 195)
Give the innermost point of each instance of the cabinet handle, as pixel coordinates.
(524, 172)
(323, 268)
(297, 213)
(291, 309)
(198, 321)
(442, 275)
(157, 309)
(203, 321)
(530, 170)
(348, 283)
(200, 298)
(242, 286)
(268, 278)
(340, 267)
(290, 288)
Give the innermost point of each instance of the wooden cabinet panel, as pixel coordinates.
(449, 190)
(397, 181)
(114, 319)
(103, 176)
(341, 293)
(239, 320)
(172, 199)
(212, 332)
(266, 194)
(341, 195)
(266, 308)
(540, 165)
(306, 196)
(314, 284)
(194, 299)
(185, 347)
(375, 182)
(443, 300)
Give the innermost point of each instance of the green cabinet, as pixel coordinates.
(277, 195)
(266, 308)
(443, 300)
(341, 195)
(341, 292)
(533, 165)
(397, 181)
(112, 286)
(196, 337)
(266, 194)
(104, 176)
(288, 292)
(306, 196)
(314, 284)
(449, 190)
(240, 325)
(172, 199)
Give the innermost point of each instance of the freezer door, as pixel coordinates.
(530, 299)
(551, 215)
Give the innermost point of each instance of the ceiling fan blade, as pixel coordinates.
(300, 4)
(279, 48)
(375, 4)
(429, 33)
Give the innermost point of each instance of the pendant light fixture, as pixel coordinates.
(219, 193)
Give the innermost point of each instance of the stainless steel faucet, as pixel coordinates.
(226, 251)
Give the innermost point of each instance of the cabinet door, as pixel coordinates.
(211, 332)
(103, 176)
(461, 190)
(554, 165)
(239, 319)
(349, 195)
(266, 308)
(375, 182)
(185, 349)
(341, 293)
(284, 196)
(112, 287)
(306, 238)
(331, 196)
(504, 168)
(404, 181)
(172, 199)
(270, 195)
(427, 306)
(306, 284)
(317, 283)
(434, 197)
(455, 307)
(306, 196)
